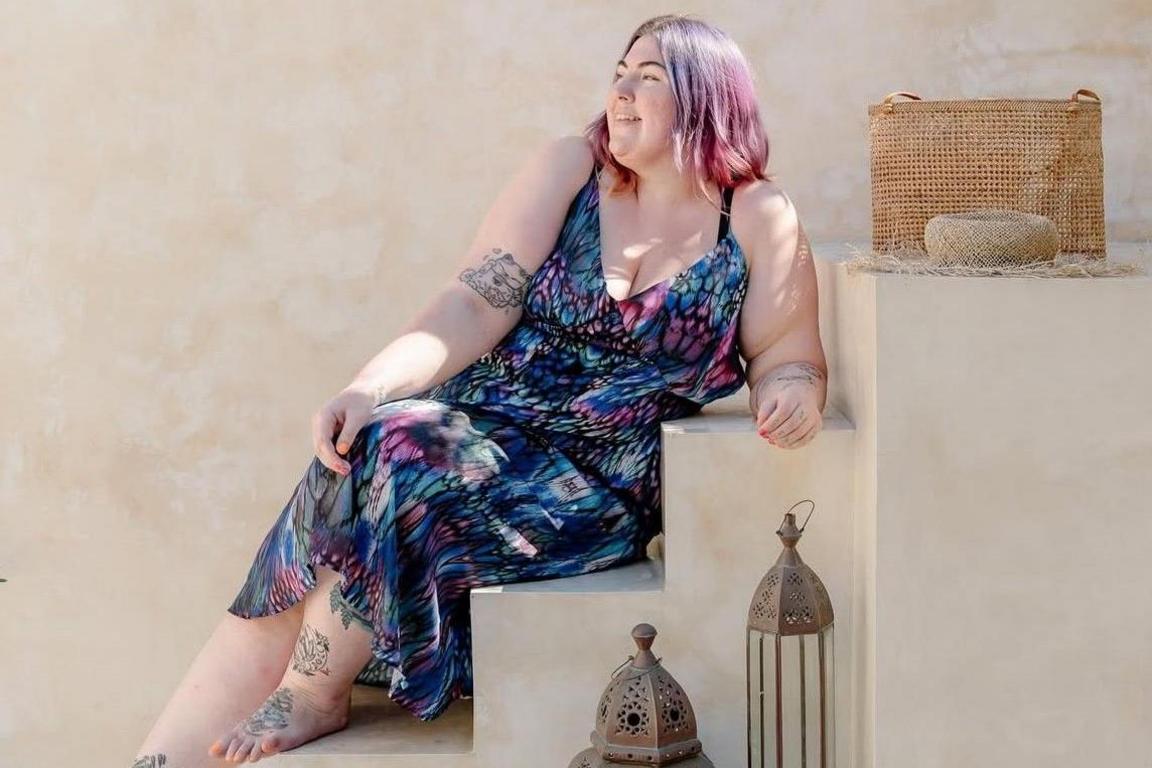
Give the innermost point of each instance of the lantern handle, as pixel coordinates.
(809, 513)
(630, 658)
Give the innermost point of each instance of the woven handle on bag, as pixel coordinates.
(888, 99)
(1072, 102)
(1075, 100)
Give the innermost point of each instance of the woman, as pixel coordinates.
(512, 433)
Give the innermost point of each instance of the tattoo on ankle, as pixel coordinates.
(311, 653)
(500, 280)
(272, 714)
(151, 761)
(339, 605)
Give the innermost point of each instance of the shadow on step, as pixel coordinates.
(379, 727)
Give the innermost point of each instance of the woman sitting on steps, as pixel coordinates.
(622, 278)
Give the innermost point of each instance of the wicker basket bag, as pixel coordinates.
(1036, 156)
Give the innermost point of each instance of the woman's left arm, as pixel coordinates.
(779, 331)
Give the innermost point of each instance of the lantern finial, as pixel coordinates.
(644, 634)
(788, 532)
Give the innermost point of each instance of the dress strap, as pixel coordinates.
(726, 215)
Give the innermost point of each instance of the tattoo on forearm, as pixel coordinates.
(790, 374)
(500, 280)
(339, 606)
(311, 653)
(151, 761)
(272, 714)
(805, 372)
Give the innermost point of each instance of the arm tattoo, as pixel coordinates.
(272, 714)
(789, 374)
(311, 652)
(151, 761)
(500, 280)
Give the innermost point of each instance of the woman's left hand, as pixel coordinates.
(788, 406)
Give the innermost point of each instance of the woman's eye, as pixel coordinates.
(646, 77)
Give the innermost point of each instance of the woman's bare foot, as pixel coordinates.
(291, 716)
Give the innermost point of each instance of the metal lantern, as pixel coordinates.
(790, 671)
(644, 717)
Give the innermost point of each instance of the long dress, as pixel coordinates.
(539, 460)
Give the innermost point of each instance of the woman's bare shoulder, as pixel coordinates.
(760, 208)
(759, 200)
(570, 159)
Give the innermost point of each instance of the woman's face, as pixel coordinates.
(640, 88)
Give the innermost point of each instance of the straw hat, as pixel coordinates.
(991, 237)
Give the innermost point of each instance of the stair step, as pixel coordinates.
(641, 576)
(382, 734)
(544, 652)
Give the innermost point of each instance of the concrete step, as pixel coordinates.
(544, 651)
(381, 734)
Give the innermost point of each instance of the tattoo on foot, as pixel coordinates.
(500, 280)
(151, 761)
(311, 653)
(272, 714)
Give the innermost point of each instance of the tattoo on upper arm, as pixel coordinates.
(151, 761)
(311, 653)
(500, 280)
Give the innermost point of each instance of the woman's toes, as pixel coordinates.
(241, 751)
(270, 745)
(222, 745)
(256, 753)
(246, 753)
(234, 749)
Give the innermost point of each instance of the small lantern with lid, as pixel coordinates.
(790, 670)
(644, 717)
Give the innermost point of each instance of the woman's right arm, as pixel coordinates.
(476, 307)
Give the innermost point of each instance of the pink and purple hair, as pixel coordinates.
(717, 134)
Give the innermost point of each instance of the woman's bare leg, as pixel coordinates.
(241, 663)
(313, 695)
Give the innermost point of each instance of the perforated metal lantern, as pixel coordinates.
(790, 670)
(644, 717)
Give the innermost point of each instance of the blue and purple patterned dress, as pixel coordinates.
(539, 460)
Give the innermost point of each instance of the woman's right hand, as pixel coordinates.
(344, 415)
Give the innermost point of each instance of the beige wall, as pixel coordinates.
(213, 213)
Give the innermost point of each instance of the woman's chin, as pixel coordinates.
(622, 148)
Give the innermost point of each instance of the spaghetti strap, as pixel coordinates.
(726, 215)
